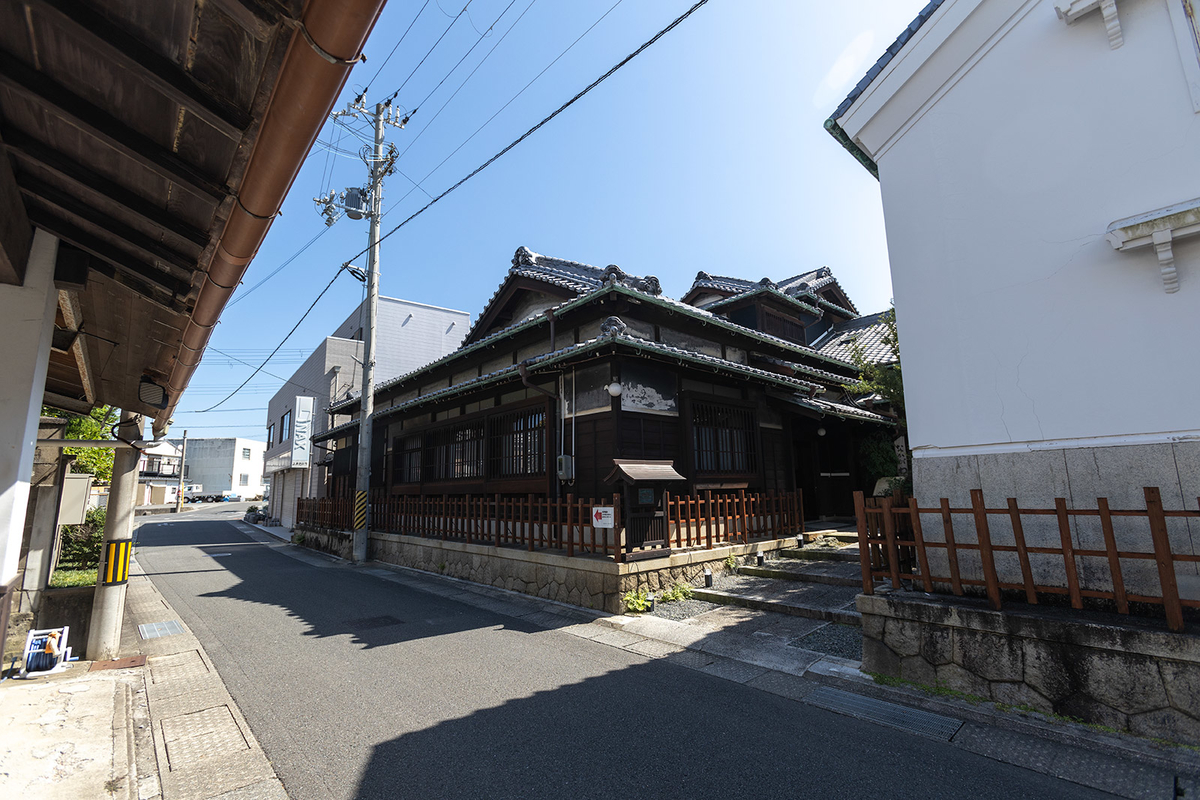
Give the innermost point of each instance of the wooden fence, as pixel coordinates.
(892, 546)
(534, 523)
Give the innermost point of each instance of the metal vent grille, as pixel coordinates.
(153, 630)
(881, 712)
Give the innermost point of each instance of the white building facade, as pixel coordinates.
(1040, 165)
(410, 336)
(225, 465)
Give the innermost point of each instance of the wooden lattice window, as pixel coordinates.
(407, 459)
(454, 452)
(723, 439)
(782, 326)
(517, 444)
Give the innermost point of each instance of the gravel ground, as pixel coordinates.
(844, 641)
(683, 609)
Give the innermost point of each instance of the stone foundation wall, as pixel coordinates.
(1120, 674)
(1079, 475)
(336, 543)
(590, 582)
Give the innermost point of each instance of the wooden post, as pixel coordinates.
(1164, 559)
(618, 531)
(708, 518)
(530, 501)
(889, 533)
(1014, 514)
(951, 549)
(1068, 551)
(570, 525)
(986, 556)
(919, 540)
(864, 550)
(1114, 561)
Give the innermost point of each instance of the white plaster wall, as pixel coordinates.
(1018, 322)
(217, 464)
(410, 334)
(28, 318)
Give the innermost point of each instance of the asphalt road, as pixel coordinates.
(357, 687)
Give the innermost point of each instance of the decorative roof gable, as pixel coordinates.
(807, 287)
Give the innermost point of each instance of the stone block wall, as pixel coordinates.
(1120, 674)
(336, 543)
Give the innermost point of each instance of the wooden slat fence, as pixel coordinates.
(539, 523)
(893, 547)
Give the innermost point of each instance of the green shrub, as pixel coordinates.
(638, 600)
(252, 510)
(63, 578)
(731, 563)
(81, 544)
(680, 591)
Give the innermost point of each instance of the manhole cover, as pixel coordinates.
(120, 663)
(373, 622)
(153, 630)
(884, 713)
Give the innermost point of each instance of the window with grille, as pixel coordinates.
(723, 439)
(244, 480)
(517, 443)
(406, 462)
(246, 453)
(455, 452)
(777, 324)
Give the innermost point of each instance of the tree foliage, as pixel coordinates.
(97, 425)
(885, 380)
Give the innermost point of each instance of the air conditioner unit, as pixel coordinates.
(566, 468)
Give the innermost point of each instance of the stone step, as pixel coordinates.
(815, 601)
(832, 573)
(820, 554)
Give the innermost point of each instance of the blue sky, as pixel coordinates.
(706, 152)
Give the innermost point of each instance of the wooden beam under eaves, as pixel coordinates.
(15, 231)
(60, 101)
(148, 66)
(73, 206)
(30, 151)
(145, 279)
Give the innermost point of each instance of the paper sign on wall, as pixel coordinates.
(602, 516)
(302, 433)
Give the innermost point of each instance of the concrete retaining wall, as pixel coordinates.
(1125, 675)
(336, 543)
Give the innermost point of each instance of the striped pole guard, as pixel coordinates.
(360, 510)
(116, 561)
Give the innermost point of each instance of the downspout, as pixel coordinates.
(523, 370)
(326, 44)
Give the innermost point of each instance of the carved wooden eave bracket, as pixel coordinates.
(1158, 229)
(1070, 11)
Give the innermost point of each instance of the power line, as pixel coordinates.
(286, 381)
(477, 66)
(482, 36)
(279, 269)
(538, 126)
(431, 49)
(303, 317)
(395, 48)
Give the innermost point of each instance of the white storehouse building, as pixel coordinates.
(233, 465)
(410, 335)
(1039, 164)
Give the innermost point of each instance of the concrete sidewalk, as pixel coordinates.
(168, 729)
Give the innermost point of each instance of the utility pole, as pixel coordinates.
(182, 461)
(380, 166)
(108, 607)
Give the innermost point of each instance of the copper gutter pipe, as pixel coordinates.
(309, 84)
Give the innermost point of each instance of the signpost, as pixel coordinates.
(602, 516)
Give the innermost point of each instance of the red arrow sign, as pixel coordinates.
(597, 515)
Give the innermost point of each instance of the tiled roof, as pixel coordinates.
(613, 332)
(676, 305)
(573, 276)
(843, 410)
(831, 124)
(885, 59)
(868, 332)
(802, 287)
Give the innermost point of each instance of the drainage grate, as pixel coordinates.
(883, 713)
(219, 555)
(153, 630)
(373, 622)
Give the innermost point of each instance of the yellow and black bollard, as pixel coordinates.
(116, 562)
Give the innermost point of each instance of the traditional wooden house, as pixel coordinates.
(572, 368)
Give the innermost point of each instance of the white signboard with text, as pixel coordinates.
(602, 516)
(302, 433)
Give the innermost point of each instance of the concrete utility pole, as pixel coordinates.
(108, 608)
(182, 461)
(381, 166)
(362, 506)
